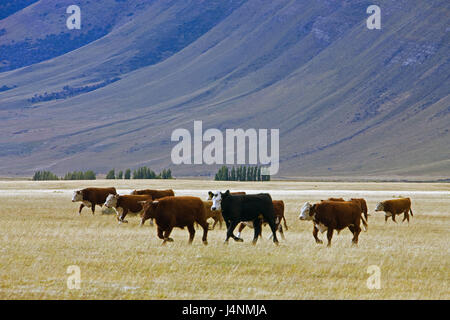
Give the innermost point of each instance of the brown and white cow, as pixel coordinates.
(126, 203)
(362, 203)
(180, 212)
(278, 207)
(395, 206)
(156, 194)
(333, 215)
(90, 197)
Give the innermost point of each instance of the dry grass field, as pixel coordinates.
(42, 235)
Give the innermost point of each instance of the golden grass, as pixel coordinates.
(42, 234)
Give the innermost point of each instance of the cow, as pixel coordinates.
(211, 194)
(278, 207)
(395, 206)
(90, 197)
(126, 203)
(333, 215)
(156, 194)
(237, 208)
(180, 212)
(362, 203)
(215, 215)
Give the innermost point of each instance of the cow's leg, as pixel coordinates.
(167, 234)
(81, 207)
(205, 227)
(143, 219)
(393, 217)
(231, 227)
(93, 208)
(257, 230)
(352, 229)
(160, 233)
(122, 217)
(215, 222)
(356, 231)
(280, 230)
(274, 230)
(405, 216)
(329, 236)
(191, 230)
(241, 227)
(315, 232)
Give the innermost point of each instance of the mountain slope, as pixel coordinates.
(348, 101)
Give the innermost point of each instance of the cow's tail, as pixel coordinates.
(410, 210)
(285, 225)
(364, 221)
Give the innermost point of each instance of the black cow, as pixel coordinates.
(237, 208)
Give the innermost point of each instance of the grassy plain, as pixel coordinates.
(42, 235)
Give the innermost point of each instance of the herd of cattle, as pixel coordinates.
(169, 211)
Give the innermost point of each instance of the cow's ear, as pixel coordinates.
(312, 209)
(210, 193)
(227, 192)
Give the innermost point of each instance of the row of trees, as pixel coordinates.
(140, 173)
(80, 175)
(241, 173)
(76, 175)
(44, 175)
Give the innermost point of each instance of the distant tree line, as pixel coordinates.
(242, 173)
(76, 175)
(44, 175)
(79, 175)
(140, 173)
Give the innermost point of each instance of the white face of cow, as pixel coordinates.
(77, 196)
(111, 201)
(216, 199)
(379, 207)
(305, 212)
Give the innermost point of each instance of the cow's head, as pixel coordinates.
(217, 200)
(379, 207)
(111, 201)
(149, 209)
(307, 211)
(77, 196)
